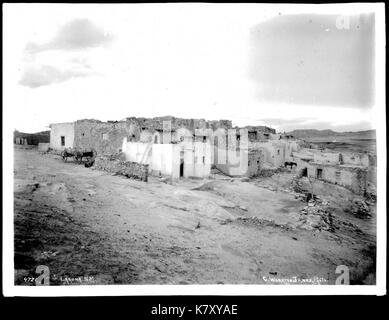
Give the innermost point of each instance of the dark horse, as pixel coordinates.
(290, 164)
(67, 154)
(78, 155)
(85, 154)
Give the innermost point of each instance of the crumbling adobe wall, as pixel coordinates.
(126, 168)
(261, 129)
(358, 159)
(191, 124)
(352, 178)
(256, 161)
(107, 137)
(274, 152)
(43, 147)
(326, 157)
(104, 137)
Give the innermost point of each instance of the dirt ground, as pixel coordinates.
(90, 227)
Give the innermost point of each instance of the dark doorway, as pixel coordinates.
(319, 173)
(182, 169)
(305, 172)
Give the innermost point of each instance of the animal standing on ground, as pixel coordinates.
(85, 154)
(290, 164)
(67, 154)
(78, 155)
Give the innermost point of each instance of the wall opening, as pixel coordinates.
(319, 173)
(182, 168)
(62, 141)
(305, 172)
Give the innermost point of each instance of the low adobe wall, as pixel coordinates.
(43, 147)
(126, 168)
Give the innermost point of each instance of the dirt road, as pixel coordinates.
(90, 227)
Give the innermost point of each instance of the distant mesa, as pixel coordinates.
(314, 133)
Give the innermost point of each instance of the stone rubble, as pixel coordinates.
(360, 209)
(114, 165)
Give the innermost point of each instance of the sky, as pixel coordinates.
(253, 64)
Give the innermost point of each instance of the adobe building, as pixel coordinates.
(61, 135)
(170, 146)
(235, 152)
(264, 150)
(107, 137)
(171, 159)
(349, 170)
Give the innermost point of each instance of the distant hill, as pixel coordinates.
(33, 138)
(314, 133)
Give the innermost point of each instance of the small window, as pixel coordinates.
(204, 138)
(105, 136)
(203, 160)
(62, 140)
(319, 173)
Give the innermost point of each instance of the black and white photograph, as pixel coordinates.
(153, 148)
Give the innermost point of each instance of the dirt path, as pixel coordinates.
(110, 229)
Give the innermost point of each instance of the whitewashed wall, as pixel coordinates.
(61, 129)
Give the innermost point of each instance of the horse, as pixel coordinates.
(67, 154)
(290, 164)
(78, 155)
(85, 154)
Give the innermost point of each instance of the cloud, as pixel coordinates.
(59, 59)
(76, 34)
(43, 75)
(306, 59)
(278, 121)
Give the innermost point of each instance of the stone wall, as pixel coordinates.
(352, 178)
(256, 162)
(107, 137)
(104, 137)
(126, 168)
(191, 124)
